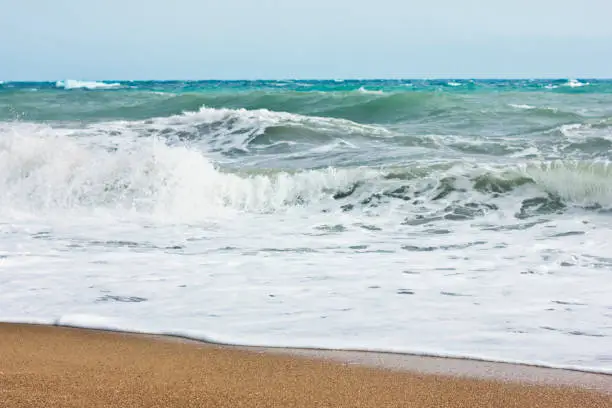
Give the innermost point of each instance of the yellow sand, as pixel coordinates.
(43, 366)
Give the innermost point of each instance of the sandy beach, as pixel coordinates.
(46, 366)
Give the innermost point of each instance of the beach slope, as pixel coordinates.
(46, 366)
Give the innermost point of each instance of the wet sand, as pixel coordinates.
(47, 366)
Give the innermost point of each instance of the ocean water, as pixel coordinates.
(447, 217)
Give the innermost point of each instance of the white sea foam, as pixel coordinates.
(370, 91)
(453, 83)
(583, 132)
(45, 168)
(532, 107)
(575, 130)
(522, 106)
(74, 84)
(55, 172)
(263, 117)
(574, 83)
(571, 83)
(219, 130)
(293, 280)
(103, 227)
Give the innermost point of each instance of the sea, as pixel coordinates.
(465, 218)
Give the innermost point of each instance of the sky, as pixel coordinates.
(275, 39)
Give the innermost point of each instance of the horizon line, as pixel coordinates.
(535, 78)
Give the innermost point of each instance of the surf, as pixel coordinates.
(44, 169)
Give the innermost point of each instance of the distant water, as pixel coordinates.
(453, 217)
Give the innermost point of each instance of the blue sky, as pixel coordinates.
(246, 39)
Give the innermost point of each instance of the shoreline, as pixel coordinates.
(322, 351)
(48, 366)
(463, 367)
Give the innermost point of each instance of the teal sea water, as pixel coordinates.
(452, 217)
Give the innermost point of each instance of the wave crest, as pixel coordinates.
(46, 171)
(578, 182)
(229, 130)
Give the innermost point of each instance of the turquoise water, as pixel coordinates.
(350, 99)
(454, 217)
(490, 117)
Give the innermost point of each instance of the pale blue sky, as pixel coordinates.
(235, 39)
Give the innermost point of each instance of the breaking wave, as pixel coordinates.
(53, 171)
(238, 130)
(42, 169)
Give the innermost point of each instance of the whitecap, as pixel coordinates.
(522, 106)
(74, 84)
(43, 170)
(369, 91)
(574, 83)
